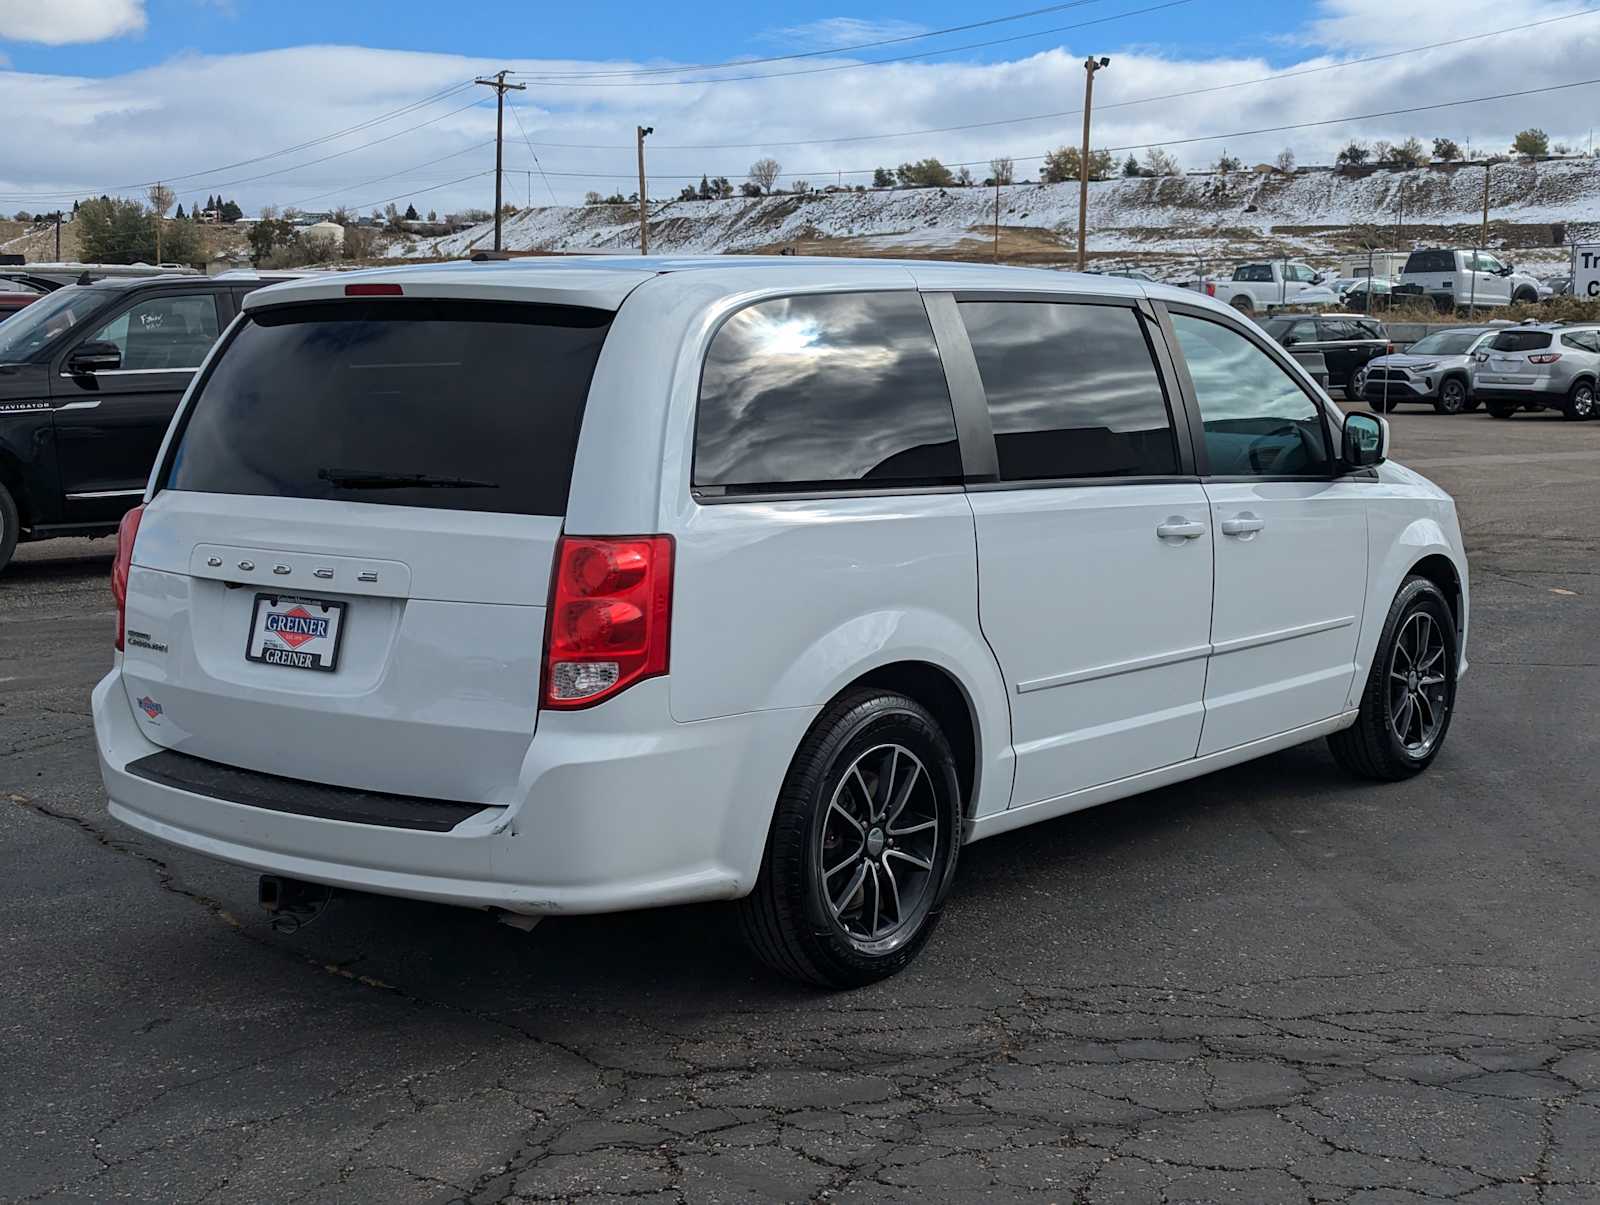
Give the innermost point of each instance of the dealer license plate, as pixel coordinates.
(301, 633)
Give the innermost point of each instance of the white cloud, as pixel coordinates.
(59, 22)
(85, 135)
(833, 32)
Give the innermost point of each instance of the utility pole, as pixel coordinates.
(644, 220)
(58, 236)
(1090, 66)
(997, 217)
(498, 83)
(1487, 167)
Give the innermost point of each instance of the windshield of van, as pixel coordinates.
(1445, 343)
(456, 405)
(40, 323)
(1431, 261)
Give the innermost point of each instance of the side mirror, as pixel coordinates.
(90, 358)
(1366, 440)
(1318, 278)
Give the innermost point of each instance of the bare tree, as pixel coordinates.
(1158, 162)
(1284, 160)
(161, 199)
(1002, 170)
(764, 173)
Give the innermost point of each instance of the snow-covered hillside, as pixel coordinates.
(1180, 217)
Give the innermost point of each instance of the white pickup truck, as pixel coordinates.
(1257, 288)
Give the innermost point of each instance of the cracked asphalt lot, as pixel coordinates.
(1273, 984)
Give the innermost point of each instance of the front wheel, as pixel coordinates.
(1382, 405)
(1580, 405)
(1452, 397)
(9, 526)
(862, 847)
(1411, 689)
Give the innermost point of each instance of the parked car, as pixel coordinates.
(1539, 366)
(1267, 286)
(1366, 294)
(11, 303)
(1436, 368)
(837, 566)
(89, 378)
(1453, 277)
(1346, 341)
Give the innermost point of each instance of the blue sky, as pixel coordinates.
(643, 32)
(286, 102)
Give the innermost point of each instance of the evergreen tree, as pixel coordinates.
(411, 213)
(705, 188)
(179, 214)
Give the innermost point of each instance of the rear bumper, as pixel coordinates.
(622, 808)
(1526, 395)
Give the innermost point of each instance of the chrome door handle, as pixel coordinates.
(1180, 529)
(1242, 525)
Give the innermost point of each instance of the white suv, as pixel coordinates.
(579, 586)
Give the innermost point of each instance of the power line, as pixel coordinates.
(335, 155)
(1165, 142)
(1142, 100)
(830, 52)
(905, 58)
(405, 171)
(417, 192)
(523, 129)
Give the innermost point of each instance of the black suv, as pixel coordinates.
(1346, 341)
(89, 378)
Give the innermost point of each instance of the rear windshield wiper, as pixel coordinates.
(358, 479)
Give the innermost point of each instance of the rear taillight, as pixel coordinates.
(127, 533)
(1545, 357)
(1211, 289)
(610, 617)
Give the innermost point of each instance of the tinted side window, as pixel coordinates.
(1432, 261)
(1073, 390)
(1258, 421)
(833, 390)
(163, 332)
(1255, 273)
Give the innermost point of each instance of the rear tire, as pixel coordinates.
(1501, 409)
(1244, 305)
(1452, 397)
(10, 527)
(841, 855)
(1410, 695)
(1580, 405)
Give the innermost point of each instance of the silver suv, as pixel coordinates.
(1436, 368)
(1539, 366)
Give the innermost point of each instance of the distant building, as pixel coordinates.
(331, 231)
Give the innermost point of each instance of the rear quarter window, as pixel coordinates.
(830, 391)
(457, 405)
(1431, 261)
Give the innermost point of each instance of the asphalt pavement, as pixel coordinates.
(1272, 984)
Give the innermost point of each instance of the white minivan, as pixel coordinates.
(586, 585)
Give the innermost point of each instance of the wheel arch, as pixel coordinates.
(12, 479)
(1441, 571)
(948, 700)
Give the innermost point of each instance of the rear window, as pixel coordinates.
(1254, 273)
(1521, 341)
(1431, 261)
(825, 392)
(456, 405)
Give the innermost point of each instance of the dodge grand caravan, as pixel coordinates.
(591, 585)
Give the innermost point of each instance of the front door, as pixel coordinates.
(109, 424)
(1291, 541)
(1094, 546)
